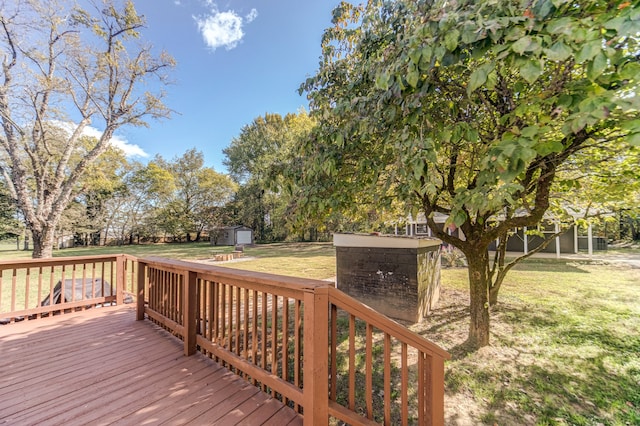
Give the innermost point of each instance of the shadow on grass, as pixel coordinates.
(548, 367)
(550, 265)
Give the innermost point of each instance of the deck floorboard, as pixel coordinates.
(102, 367)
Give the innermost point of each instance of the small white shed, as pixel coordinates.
(231, 236)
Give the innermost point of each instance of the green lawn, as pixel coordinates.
(302, 260)
(565, 335)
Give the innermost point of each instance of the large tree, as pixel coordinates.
(470, 109)
(64, 69)
(260, 159)
(199, 191)
(133, 208)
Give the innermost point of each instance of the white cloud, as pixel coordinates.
(223, 29)
(129, 149)
(251, 16)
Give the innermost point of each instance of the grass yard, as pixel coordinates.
(565, 347)
(565, 335)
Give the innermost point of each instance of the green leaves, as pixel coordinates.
(558, 52)
(451, 39)
(413, 76)
(633, 127)
(382, 81)
(526, 44)
(597, 66)
(464, 106)
(589, 51)
(477, 79)
(634, 139)
(531, 70)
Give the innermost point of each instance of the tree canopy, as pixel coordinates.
(471, 109)
(198, 192)
(261, 159)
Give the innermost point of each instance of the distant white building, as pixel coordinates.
(231, 236)
(569, 242)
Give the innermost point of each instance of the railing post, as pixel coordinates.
(190, 312)
(120, 279)
(140, 290)
(315, 357)
(435, 390)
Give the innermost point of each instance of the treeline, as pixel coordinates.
(182, 200)
(120, 201)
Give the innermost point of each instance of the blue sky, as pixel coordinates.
(236, 60)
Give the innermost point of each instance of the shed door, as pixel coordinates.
(244, 237)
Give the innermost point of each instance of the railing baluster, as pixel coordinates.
(171, 306)
(263, 337)
(296, 350)
(421, 390)
(254, 333)
(73, 283)
(230, 319)
(51, 278)
(121, 278)
(93, 279)
(84, 281)
(217, 309)
(164, 289)
(13, 290)
(245, 326)
(387, 379)
(39, 299)
(1, 285)
(237, 304)
(333, 371)
(274, 337)
(102, 278)
(285, 339)
(404, 386)
(27, 284)
(141, 291)
(223, 312)
(369, 370)
(113, 280)
(352, 362)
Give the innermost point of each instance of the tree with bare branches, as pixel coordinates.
(64, 71)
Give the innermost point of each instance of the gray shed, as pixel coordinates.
(231, 236)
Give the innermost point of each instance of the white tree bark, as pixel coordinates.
(64, 69)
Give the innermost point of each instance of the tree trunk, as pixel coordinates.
(42, 243)
(493, 296)
(479, 299)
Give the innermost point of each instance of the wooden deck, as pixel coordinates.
(101, 366)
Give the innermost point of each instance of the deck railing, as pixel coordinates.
(306, 343)
(303, 341)
(32, 288)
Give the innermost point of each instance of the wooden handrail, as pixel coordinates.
(54, 261)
